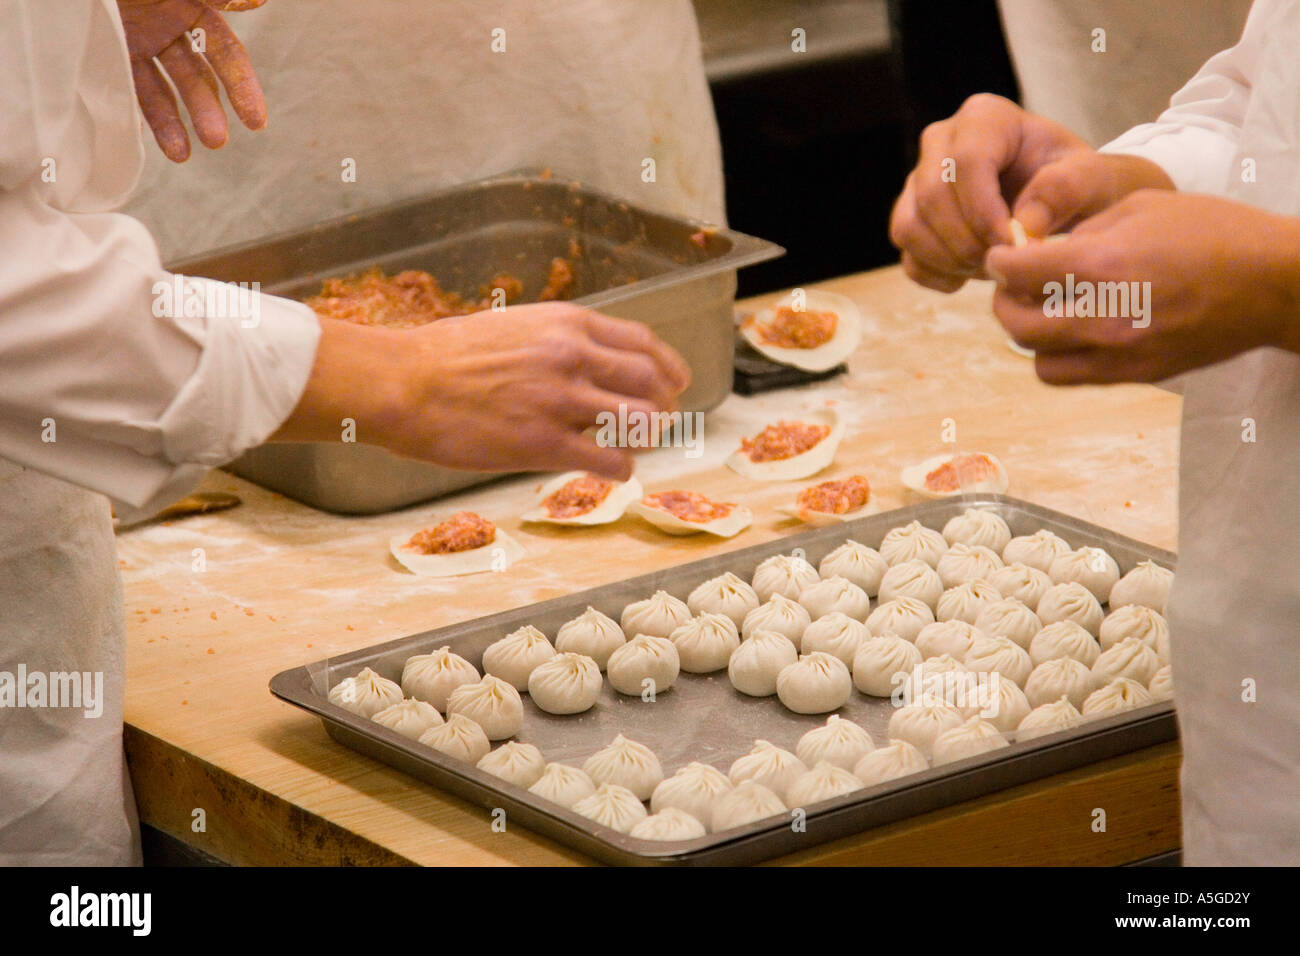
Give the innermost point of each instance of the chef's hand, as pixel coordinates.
(160, 37)
(494, 391)
(989, 154)
(1224, 278)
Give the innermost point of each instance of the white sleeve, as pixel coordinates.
(111, 380)
(1195, 140)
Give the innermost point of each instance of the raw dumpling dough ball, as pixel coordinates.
(903, 617)
(755, 664)
(725, 594)
(1063, 639)
(977, 526)
(817, 683)
(972, 738)
(836, 634)
(1071, 601)
(628, 764)
(781, 614)
(855, 562)
(783, 574)
(749, 802)
(966, 562)
(1009, 618)
(1004, 708)
(965, 601)
(1161, 686)
(657, 616)
(1092, 567)
(514, 656)
(953, 638)
(768, 765)
(1021, 582)
(366, 694)
(914, 579)
(896, 759)
(520, 764)
(492, 703)
(1060, 677)
(838, 741)
(913, 541)
(878, 662)
(612, 806)
(568, 683)
(835, 594)
(823, 782)
(459, 738)
(1048, 719)
(920, 724)
(1123, 693)
(1038, 550)
(562, 784)
(410, 718)
(644, 664)
(670, 824)
(694, 789)
(1001, 654)
(1135, 620)
(591, 633)
(1129, 658)
(704, 644)
(432, 677)
(1147, 584)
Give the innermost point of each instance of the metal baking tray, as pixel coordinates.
(676, 275)
(704, 718)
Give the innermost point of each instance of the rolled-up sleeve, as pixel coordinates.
(1195, 140)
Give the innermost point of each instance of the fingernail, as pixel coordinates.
(1036, 217)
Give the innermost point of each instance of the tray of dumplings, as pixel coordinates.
(757, 703)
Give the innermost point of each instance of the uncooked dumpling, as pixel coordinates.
(704, 644)
(963, 563)
(459, 738)
(780, 614)
(1009, 618)
(1004, 708)
(1001, 654)
(769, 765)
(952, 637)
(896, 759)
(755, 664)
(1060, 677)
(1071, 601)
(857, 563)
(835, 594)
(591, 633)
(366, 694)
(1161, 686)
(817, 683)
(836, 634)
(628, 764)
(1022, 582)
(410, 718)
(644, 664)
(568, 683)
(921, 724)
(823, 782)
(879, 660)
(670, 824)
(978, 526)
(913, 541)
(612, 806)
(520, 764)
(965, 601)
(1129, 658)
(1122, 693)
(1049, 718)
(514, 656)
(562, 784)
(972, 738)
(1092, 567)
(902, 616)
(694, 789)
(1135, 620)
(1037, 550)
(838, 741)
(492, 703)
(1063, 639)
(914, 579)
(749, 802)
(432, 677)
(725, 594)
(1147, 584)
(658, 615)
(783, 574)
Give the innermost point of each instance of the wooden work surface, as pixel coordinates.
(285, 584)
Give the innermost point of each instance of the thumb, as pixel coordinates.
(1064, 192)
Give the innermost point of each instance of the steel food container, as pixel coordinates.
(674, 274)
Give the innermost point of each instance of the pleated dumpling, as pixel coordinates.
(1146, 584)
(835, 594)
(1049, 718)
(591, 633)
(769, 765)
(840, 742)
(1063, 639)
(667, 825)
(492, 703)
(756, 663)
(1037, 550)
(644, 665)
(568, 683)
(726, 594)
(694, 789)
(913, 541)
(823, 782)
(785, 574)
(781, 614)
(1094, 568)
(914, 579)
(459, 738)
(612, 806)
(1122, 693)
(880, 661)
(432, 677)
(514, 656)
(896, 759)
(749, 802)
(967, 562)
(836, 634)
(704, 644)
(965, 601)
(903, 617)
(563, 785)
(817, 683)
(855, 562)
(1060, 678)
(366, 694)
(1022, 582)
(975, 736)
(1009, 618)
(658, 615)
(1071, 601)
(978, 526)
(410, 717)
(628, 764)
(520, 764)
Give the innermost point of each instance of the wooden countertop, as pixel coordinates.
(283, 584)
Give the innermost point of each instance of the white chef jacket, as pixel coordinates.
(1235, 607)
(1151, 48)
(98, 395)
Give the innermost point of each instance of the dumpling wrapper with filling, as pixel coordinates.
(731, 524)
(803, 465)
(842, 343)
(913, 476)
(497, 555)
(820, 519)
(621, 495)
